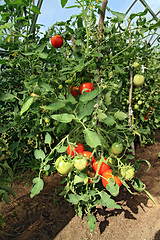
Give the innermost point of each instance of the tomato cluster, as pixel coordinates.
(85, 160)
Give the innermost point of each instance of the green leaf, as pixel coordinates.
(9, 190)
(112, 187)
(119, 15)
(78, 179)
(140, 14)
(120, 115)
(64, 117)
(108, 98)
(91, 220)
(55, 106)
(61, 149)
(35, 9)
(109, 120)
(63, 3)
(91, 138)
(3, 129)
(46, 86)
(85, 109)
(37, 187)
(106, 201)
(87, 96)
(74, 198)
(4, 195)
(39, 154)
(26, 105)
(43, 55)
(6, 96)
(138, 185)
(48, 138)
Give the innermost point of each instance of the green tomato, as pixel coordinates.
(140, 102)
(138, 80)
(62, 166)
(111, 160)
(136, 106)
(60, 87)
(117, 148)
(127, 172)
(80, 162)
(135, 64)
(47, 119)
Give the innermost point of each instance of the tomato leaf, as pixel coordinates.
(61, 149)
(64, 117)
(91, 220)
(91, 138)
(55, 106)
(74, 198)
(63, 3)
(37, 187)
(6, 96)
(87, 96)
(4, 195)
(48, 138)
(35, 9)
(85, 109)
(109, 120)
(112, 187)
(138, 185)
(106, 201)
(26, 105)
(120, 115)
(108, 98)
(39, 154)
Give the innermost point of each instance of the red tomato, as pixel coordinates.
(74, 91)
(71, 150)
(108, 174)
(86, 87)
(57, 41)
(88, 154)
(104, 167)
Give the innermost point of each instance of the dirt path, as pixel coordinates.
(47, 216)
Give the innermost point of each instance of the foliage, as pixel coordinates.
(40, 117)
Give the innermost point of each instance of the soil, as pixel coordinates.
(47, 216)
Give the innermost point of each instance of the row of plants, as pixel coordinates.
(65, 102)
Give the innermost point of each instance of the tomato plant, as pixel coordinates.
(57, 41)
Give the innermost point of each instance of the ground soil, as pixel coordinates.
(47, 216)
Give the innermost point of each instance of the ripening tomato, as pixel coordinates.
(80, 162)
(86, 87)
(104, 167)
(108, 174)
(117, 148)
(91, 175)
(62, 166)
(138, 80)
(73, 150)
(57, 41)
(74, 91)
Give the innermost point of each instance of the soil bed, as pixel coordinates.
(47, 216)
